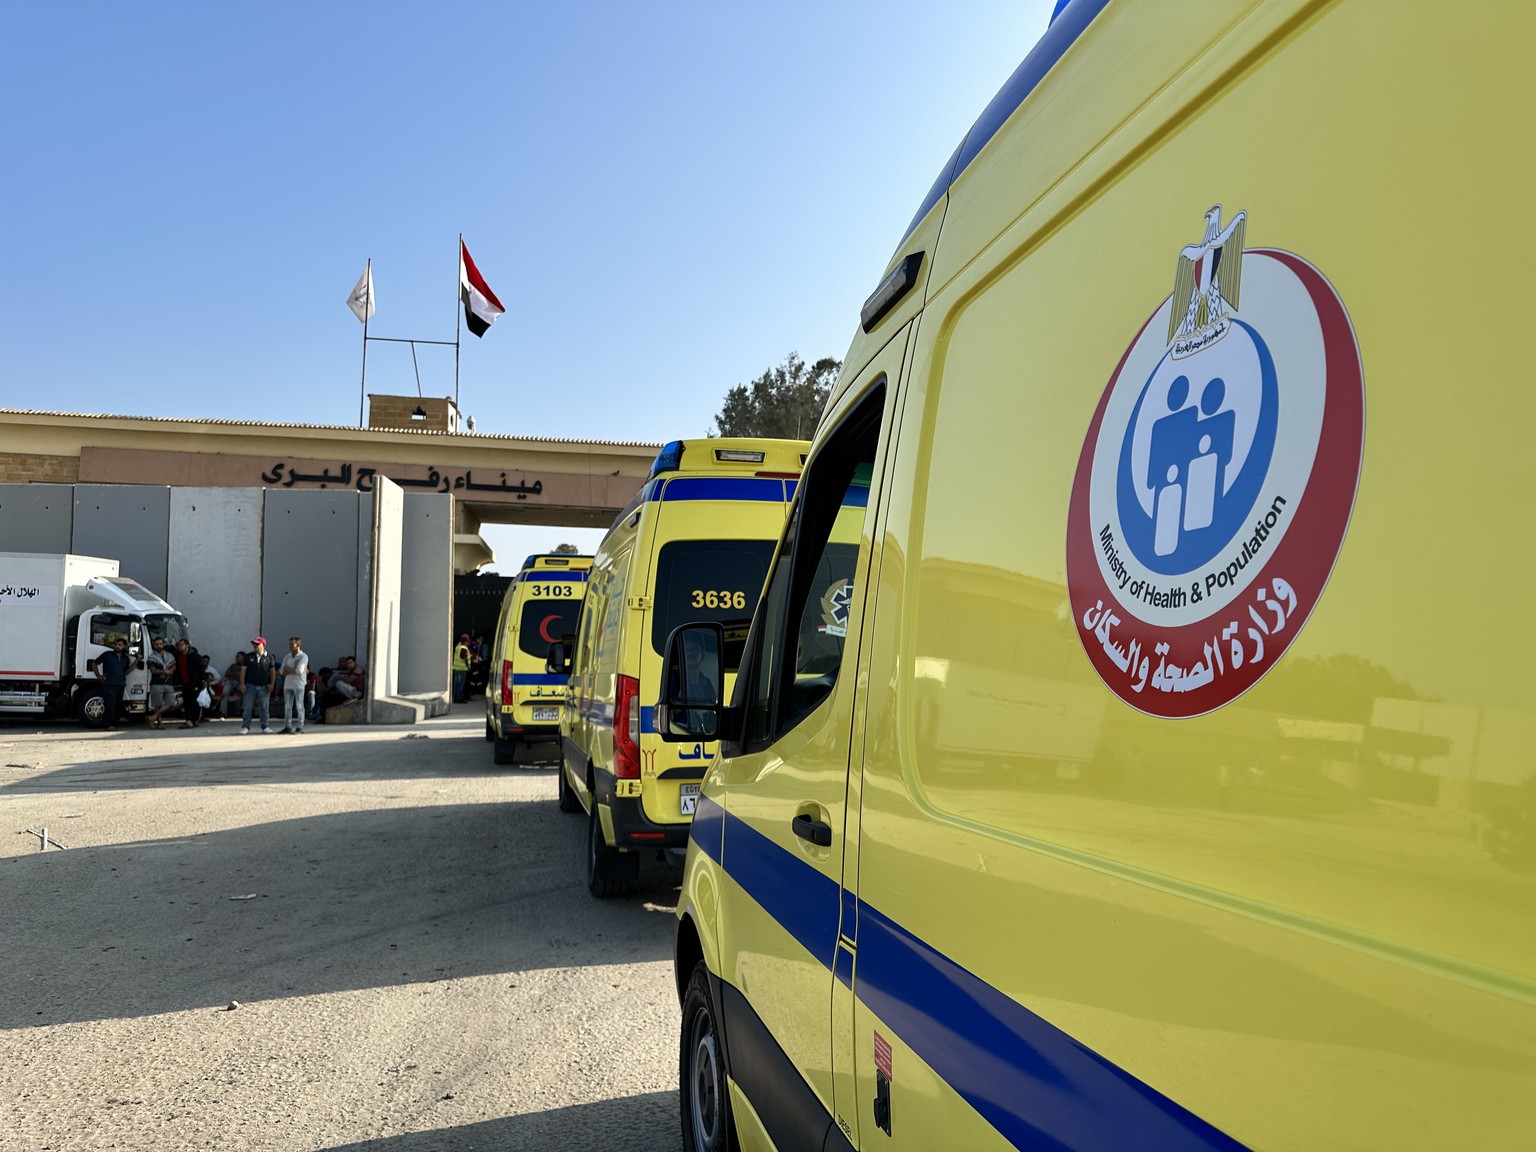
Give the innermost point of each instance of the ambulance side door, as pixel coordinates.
(786, 783)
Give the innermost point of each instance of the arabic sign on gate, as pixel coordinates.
(1217, 478)
(287, 476)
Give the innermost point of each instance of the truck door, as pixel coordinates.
(787, 791)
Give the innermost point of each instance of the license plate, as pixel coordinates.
(546, 715)
(689, 800)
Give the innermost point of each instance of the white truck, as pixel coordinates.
(57, 614)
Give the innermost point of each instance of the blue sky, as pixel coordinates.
(667, 197)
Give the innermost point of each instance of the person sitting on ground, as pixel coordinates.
(348, 683)
(234, 695)
(320, 684)
(215, 685)
(163, 692)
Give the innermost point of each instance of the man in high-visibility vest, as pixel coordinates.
(460, 668)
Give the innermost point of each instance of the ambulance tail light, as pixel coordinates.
(626, 730)
(506, 681)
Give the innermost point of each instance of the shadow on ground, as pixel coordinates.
(646, 1123)
(173, 758)
(350, 900)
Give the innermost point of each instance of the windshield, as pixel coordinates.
(699, 580)
(163, 626)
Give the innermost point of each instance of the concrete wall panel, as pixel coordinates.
(426, 593)
(214, 567)
(389, 510)
(129, 523)
(36, 517)
(309, 573)
(384, 642)
(363, 651)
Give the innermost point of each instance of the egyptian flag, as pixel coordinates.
(480, 304)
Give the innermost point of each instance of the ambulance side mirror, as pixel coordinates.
(558, 661)
(692, 684)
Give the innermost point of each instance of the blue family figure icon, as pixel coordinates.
(1213, 445)
(1195, 452)
(1191, 447)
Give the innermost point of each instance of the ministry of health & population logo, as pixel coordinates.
(1217, 478)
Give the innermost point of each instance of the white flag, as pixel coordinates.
(361, 300)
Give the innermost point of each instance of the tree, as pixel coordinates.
(785, 402)
(567, 550)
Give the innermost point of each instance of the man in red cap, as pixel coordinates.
(460, 668)
(258, 677)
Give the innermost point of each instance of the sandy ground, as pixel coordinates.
(351, 939)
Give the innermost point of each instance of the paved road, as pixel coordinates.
(416, 960)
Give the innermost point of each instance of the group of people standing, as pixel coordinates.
(254, 676)
(181, 676)
(177, 674)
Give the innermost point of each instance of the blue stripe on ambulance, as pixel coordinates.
(1031, 1081)
(538, 678)
(1066, 26)
(544, 575)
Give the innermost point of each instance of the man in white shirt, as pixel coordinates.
(295, 672)
(163, 693)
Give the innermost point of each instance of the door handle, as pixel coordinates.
(815, 831)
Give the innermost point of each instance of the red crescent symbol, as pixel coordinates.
(544, 629)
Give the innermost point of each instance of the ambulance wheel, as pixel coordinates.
(490, 733)
(505, 751)
(93, 709)
(702, 1091)
(570, 803)
(606, 867)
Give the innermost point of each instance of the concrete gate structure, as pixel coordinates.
(347, 537)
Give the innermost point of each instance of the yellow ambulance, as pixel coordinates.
(1175, 785)
(693, 544)
(523, 699)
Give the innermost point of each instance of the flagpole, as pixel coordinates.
(362, 388)
(458, 316)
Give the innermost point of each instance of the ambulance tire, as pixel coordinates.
(703, 1095)
(570, 803)
(608, 870)
(490, 732)
(505, 751)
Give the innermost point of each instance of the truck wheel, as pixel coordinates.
(93, 708)
(505, 751)
(569, 801)
(603, 862)
(702, 1091)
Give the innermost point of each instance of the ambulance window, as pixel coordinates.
(544, 622)
(805, 614)
(708, 580)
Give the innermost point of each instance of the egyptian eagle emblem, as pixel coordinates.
(1209, 276)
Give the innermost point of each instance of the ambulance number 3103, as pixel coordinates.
(713, 599)
(550, 591)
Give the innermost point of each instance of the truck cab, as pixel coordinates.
(58, 614)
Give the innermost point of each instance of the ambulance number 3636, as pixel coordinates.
(713, 599)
